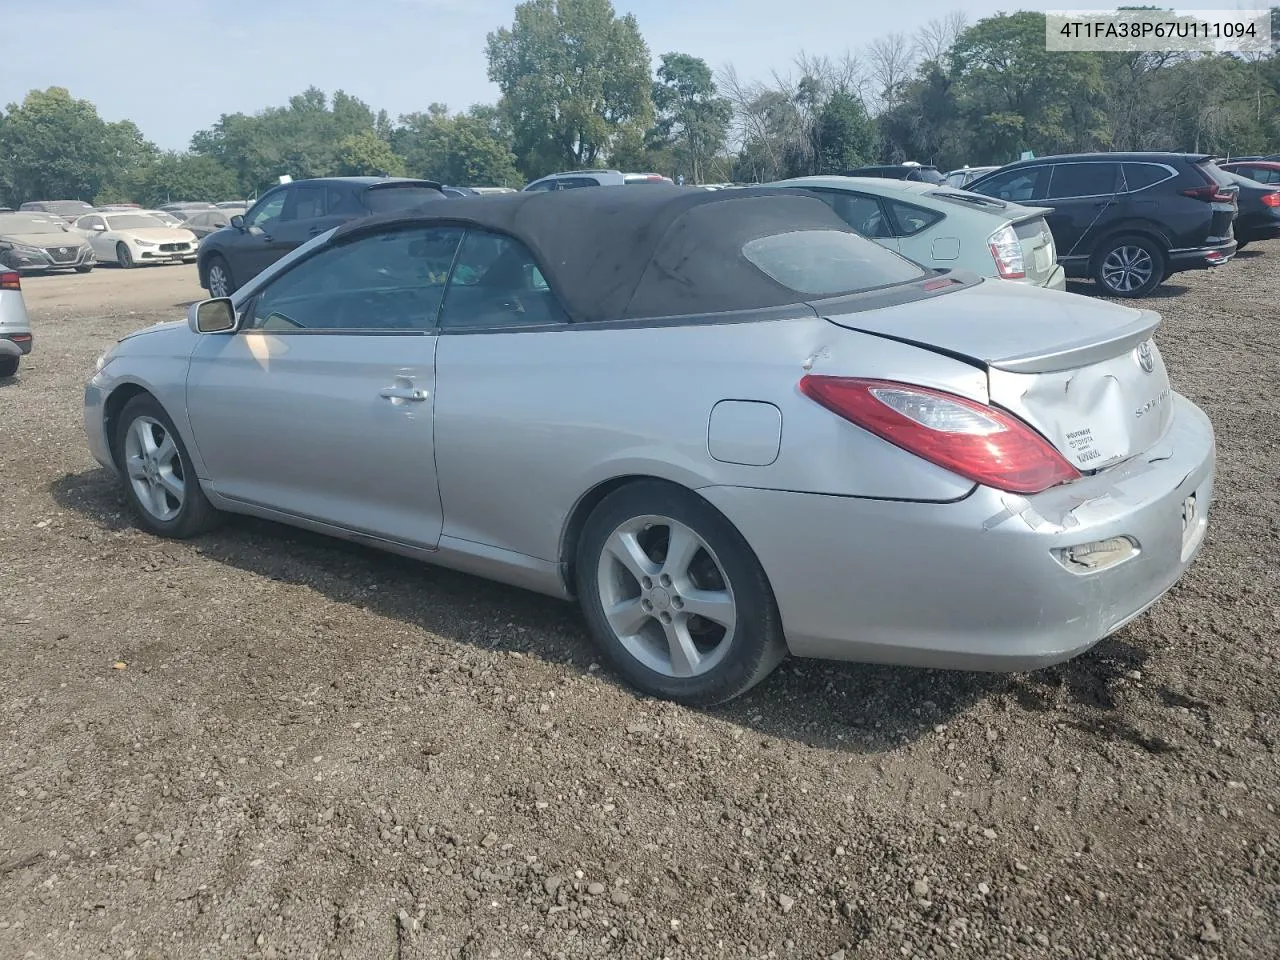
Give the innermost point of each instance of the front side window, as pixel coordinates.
(1016, 186)
(270, 208)
(1071, 180)
(829, 263)
(387, 282)
(497, 283)
(540, 186)
(91, 223)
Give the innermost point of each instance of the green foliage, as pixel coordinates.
(470, 150)
(574, 78)
(692, 120)
(844, 136)
(365, 154)
(59, 148)
(184, 176)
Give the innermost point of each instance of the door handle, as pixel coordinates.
(402, 393)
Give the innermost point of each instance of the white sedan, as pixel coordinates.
(944, 228)
(133, 238)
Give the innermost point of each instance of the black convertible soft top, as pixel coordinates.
(620, 253)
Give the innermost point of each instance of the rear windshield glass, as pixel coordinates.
(828, 263)
(1216, 173)
(929, 175)
(395, 198)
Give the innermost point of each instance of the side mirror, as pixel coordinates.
(100, 227)
(238, 222)
(212, 316)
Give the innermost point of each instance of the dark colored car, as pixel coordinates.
(1263, 171)
(1259, 217)
(924, 173)
(1128, 220)
(289, 215)
(66, 209)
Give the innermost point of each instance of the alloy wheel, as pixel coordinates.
(1127, 268)
(219, 281)
(666, 596)
(154, 467)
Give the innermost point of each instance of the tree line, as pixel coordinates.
(578, 90)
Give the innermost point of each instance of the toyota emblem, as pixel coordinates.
(1146, 359)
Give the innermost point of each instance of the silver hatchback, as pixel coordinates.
(727, 424)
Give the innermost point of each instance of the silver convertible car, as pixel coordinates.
(724, 422)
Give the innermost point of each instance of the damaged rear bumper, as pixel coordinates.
(989, 582)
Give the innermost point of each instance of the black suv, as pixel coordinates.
(920, 172)
(287, 216)
(1128, 220)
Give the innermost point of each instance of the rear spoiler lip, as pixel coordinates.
(1083, 353)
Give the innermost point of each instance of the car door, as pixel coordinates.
(103, 249)
(303, 217)
(253, 249)
(321, 406)
(1084, 196)
(864, 213)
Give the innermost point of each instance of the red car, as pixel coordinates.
(1264, 171)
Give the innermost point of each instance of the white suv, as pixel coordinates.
(15, 328)
(594, 178)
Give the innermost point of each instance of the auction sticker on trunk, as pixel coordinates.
(1083, 446)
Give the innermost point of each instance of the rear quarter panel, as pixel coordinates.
(527, 423)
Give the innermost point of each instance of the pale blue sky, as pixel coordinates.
(173, 66)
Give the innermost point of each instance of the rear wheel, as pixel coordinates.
(1129, 267)
(1241, 244)
(159, 479)
(675, 597)
(221, 283)
(123, 255)
(8, 366)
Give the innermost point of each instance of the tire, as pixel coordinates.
(184, 515)
(86, 269)
(124, 257)
(1241, 244)
(671, 653)
(9, 366)
(1129, 266)
(220, 281)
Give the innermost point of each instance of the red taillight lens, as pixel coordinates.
(1271, 199)
(10, 280)
(977, 441)
(1210, 193)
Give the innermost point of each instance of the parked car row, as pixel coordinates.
(848, 431)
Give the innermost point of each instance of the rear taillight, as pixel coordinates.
(1006, 250)
(1271, 199)
(1210, 193)
(979, 442)
(10, 280)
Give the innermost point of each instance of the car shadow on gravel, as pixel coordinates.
(1169, 290)
(859, 708)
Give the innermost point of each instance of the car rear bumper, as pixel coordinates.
(1056, 280)
(19, 341)
(976, 584)
(1201, 258)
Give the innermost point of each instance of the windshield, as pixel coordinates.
(828, 263)
(395, 198)
(164, 217)
(24, 223)
(133, 221)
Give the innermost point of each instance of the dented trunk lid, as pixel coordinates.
(1085, 373)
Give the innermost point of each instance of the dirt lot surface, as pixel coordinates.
(314, 750)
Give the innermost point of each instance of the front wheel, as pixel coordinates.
(124, 256)
(1130, 267)
(219, 275)
(87, 268)
(159, 479)
(675, 597)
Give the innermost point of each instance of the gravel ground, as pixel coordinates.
(267, 744)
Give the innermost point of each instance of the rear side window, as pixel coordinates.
(859, 211)
(912, 219)
(568, 183)
(396, 198)
(828, 263)
(1215, 174)
(929, 175)
(1083, 180)
(1138, 176)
